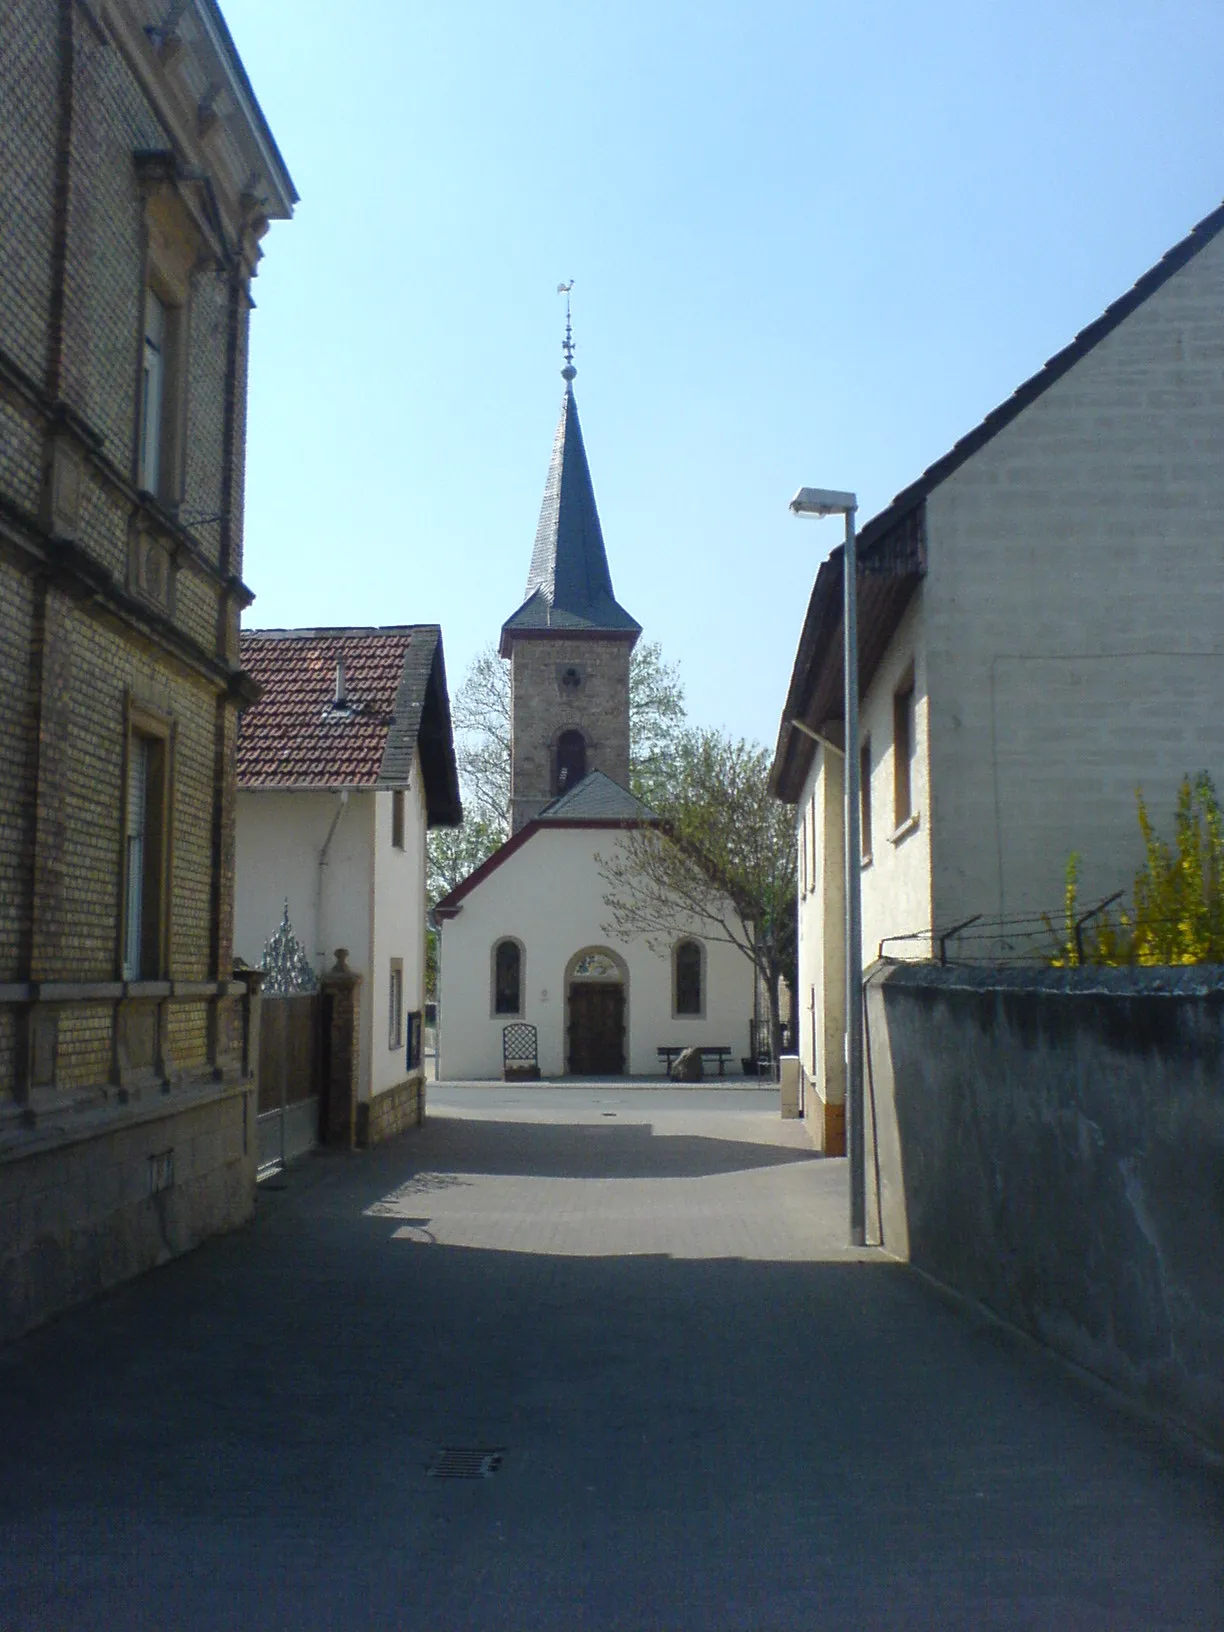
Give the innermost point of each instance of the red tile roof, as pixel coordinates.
(295, 736)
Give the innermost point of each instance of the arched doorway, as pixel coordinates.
(596, 991)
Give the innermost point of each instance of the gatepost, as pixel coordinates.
(341, 989)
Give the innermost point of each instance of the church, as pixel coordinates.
(527, 973)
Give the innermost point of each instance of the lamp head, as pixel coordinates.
(823, 501)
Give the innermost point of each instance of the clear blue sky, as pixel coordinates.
(813, 243)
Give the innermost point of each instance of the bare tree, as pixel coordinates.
(721, 863)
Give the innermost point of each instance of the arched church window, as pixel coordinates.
(571, 760)
(508, 978)
(686, 978)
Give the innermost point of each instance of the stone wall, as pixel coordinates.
(104, 1202)
(391, 1112)
(546, 702)
(1051, 1144)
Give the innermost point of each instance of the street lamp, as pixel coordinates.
(821, 501)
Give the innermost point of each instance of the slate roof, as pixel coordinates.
(569, 586)
(892, 545)
(296, 736)
(597, 799)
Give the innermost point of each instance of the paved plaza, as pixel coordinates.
(709, 1412)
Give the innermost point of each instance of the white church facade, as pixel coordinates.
(527, 966)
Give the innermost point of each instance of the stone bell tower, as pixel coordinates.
(569, 642)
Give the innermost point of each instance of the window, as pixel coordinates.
(865, 798)
(508, 978)
(686, 978)
(903, 750)
(395, 1008)
(415, 1035)
(145, 854)
(397, 819)
(803, 855)
(571, 761)
(152, 394)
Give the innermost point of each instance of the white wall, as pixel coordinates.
(822, 930)
(549, 895)
(896, 883)
(1075, 613)
(399, 927)
(279, 835)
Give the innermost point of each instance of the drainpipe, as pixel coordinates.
(321, 951)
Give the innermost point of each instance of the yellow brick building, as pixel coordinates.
(137, 177)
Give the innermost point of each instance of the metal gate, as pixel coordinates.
(290, 1076)
(292, 1042)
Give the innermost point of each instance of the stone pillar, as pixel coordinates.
(342, 1010)
(252, 1019)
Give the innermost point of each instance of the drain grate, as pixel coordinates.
(464, 1462)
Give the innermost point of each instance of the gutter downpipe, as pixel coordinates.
(321, 951)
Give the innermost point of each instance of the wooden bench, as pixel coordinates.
(669, 1055)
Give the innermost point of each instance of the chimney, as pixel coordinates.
(341, 689)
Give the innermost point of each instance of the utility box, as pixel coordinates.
(789, 1064)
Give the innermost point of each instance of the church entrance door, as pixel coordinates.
(596, 1028)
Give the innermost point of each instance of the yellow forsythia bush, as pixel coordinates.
(1177, 903)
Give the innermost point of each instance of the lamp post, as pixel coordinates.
(819, 501)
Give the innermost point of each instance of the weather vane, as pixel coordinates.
(567, 345)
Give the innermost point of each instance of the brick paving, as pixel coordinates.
(712, 1414)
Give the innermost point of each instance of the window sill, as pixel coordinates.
(908, 826)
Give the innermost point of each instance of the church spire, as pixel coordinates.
(569, 586)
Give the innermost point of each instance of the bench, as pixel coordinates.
(669, 1056)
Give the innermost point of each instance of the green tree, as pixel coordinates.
(722, 863)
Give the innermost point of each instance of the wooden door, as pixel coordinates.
(597, 1028)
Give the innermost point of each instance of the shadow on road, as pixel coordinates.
(242, 1439)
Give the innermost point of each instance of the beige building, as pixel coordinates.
(344, 763)
(1040, 621)
(137, 177)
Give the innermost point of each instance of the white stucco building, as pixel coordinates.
(522, 942)
(1040, 620)
(343, 765)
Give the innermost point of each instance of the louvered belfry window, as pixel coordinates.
(571, 760)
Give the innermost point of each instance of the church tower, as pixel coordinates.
(569, 642)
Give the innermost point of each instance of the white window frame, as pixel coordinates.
(152, 393)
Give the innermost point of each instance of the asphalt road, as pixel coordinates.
(708, 1412)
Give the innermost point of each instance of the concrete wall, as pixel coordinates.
(1073, 612)
(1051, 1143)
(549, 896)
